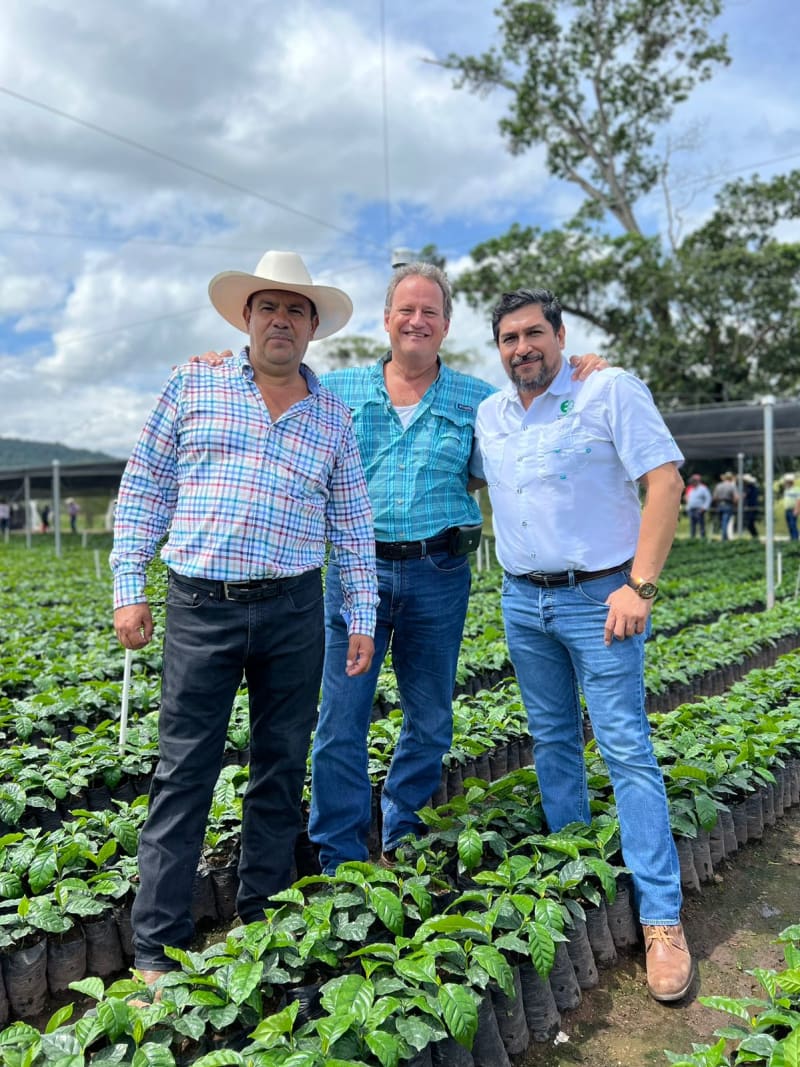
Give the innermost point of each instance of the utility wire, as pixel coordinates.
(131, 143)
(385, 113)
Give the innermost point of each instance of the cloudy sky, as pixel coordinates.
(149, 145)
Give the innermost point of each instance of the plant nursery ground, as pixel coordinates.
(730, 925)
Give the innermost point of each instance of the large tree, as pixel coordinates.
(712, 316)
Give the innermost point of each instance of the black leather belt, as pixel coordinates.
(258, 589)
(551, 581)
(412, 549)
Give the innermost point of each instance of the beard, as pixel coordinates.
(530, 384)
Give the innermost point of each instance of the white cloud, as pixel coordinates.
(285, 101)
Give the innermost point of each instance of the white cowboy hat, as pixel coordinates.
(230, 291)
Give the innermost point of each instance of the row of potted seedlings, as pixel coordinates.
(485, 850)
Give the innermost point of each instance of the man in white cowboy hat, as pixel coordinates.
(252, 468)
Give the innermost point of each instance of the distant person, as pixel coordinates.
(253, 469)
(725, 497)
(698, 501)
(44, 514)
(789, 502)
(73, 509)
(750, 501)
(5, 517)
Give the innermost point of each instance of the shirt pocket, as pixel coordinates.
(450, 444)
(562, 449)
(492, 446)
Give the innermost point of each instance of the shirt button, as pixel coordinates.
(563, 477)
(524, 524)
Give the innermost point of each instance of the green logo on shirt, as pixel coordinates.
(567, 406)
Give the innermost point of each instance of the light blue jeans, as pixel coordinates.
(555, 637)
(421, 611)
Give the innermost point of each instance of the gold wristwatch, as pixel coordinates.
(646, 590)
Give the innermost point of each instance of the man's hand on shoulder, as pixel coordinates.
(360, 651)
(133, 625)
(586, 365)
(212, 358)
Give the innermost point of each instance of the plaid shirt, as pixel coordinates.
(244, 497)
(417, 477)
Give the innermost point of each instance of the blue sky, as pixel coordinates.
(276, 116)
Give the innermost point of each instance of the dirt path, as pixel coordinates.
(730, 926)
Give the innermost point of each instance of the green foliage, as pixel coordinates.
(714, 316)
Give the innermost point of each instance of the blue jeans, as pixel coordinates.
(697, 522)
(209, 643)
(791, 523)
(555, 637)
(725, 516)
(421, 611)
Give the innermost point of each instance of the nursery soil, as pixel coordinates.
(730, 925)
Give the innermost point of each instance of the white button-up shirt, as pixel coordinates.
(562, 474)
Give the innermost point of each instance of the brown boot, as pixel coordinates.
(669, 965)
(149, 978)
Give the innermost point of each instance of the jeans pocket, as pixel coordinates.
(181, 596)
(598, 590)
(443, 561)
(306, 594)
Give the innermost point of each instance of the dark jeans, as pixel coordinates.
(697, 522)
(278, 643)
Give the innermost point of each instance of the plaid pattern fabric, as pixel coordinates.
(242, 497)
(417, 477)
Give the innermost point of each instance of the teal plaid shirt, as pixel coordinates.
(417, 478)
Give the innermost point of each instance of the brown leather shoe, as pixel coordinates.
(669, 964)
(149, 978)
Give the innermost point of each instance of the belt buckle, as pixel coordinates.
(225, 592)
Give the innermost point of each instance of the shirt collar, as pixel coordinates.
(246, 369)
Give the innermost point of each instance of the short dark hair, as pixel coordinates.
(519, 298)
(308, 298)
(422, 270)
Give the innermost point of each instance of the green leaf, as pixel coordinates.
(124, 830)
(282, 1022)
(385, 1047)
(10, 885)
(493, 962)
(42, 871)
(470, 848)
(460, 1013)
(421, 970)
(244, 978)
(152, 1055)
(417, 1032)
(220, 1058)
(89, 987)
(59, 1017)
(350, 994)
(388, 908)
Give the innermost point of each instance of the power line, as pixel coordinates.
(385, 114)
(156, 153)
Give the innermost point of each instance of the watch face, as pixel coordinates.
(646, 590)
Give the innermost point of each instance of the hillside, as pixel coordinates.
(15, 452)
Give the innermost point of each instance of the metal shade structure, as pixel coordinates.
(75, 478)
(723, 431)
